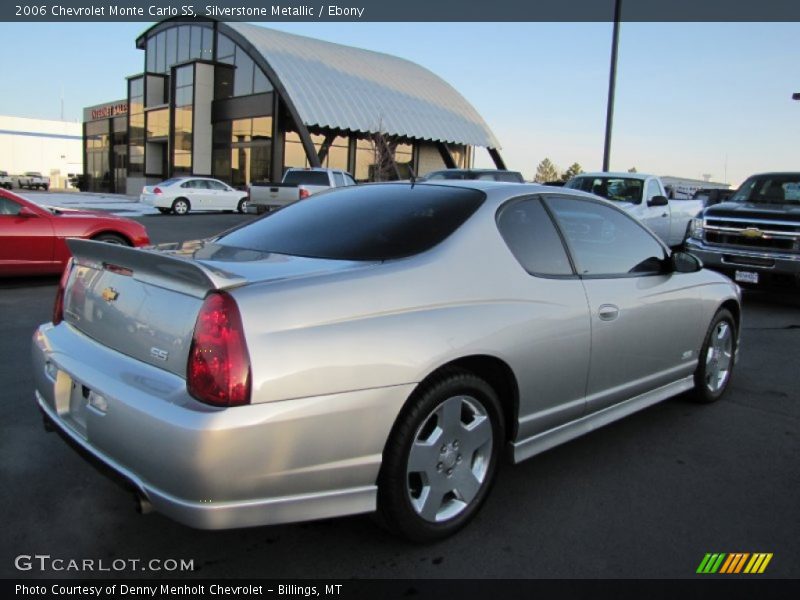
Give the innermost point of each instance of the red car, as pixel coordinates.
(33, 238)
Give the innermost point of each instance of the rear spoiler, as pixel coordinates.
(167, 271)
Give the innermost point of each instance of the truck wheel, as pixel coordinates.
(181, 206)
(242, 206)
(45, 187)
(715, 362)
(441, 457)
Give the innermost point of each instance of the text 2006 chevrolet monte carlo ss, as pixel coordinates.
(375, 348)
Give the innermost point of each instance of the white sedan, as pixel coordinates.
(180, 195)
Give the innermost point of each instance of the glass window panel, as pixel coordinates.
(183, 96)
(161, 53)
(606, 241)
(337, 157)
(262, 127)
(184, 76)
(158, 123)
(207, 50)
(532, 238)
(221, 163)
(241, 130)
(260, 82)
(294, 155)
(137, 87)
(151, 54)
(223, 82)
(172, 46)
(243, 78)
(225, 48)
(184, 41)
(197, 41)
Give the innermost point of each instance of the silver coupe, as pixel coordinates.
(374, 349)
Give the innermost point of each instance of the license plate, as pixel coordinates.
(746, 276)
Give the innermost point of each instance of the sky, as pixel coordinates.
(692, 99)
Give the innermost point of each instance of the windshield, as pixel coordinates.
(372, 222)
(770, 189)
(619, 189)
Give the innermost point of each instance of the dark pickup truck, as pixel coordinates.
(754, 237)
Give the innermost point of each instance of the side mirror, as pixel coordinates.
(683, 262)
(26, 213)
(658, 201)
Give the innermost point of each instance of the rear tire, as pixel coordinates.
(242, 206)
(716, 360)
(181, 206)
(441, 458)
(111, 238)
(45, 187)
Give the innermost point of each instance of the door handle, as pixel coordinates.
(608, 312)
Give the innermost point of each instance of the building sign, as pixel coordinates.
(105, 111)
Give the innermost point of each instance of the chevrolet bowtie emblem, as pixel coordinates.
(110, 294)
(752, 232)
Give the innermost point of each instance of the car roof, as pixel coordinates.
(492, 188)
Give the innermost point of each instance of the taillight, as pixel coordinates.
(58, 306)
(157, 190)
(304, 193)
(218, 372)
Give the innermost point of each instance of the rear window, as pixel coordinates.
(618, 189)
(372, 222)
(167, 182)
(306, 178)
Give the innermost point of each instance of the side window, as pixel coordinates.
(605, 241)
(653, 189)
(215, 185)
(532, 238)
(349, 180)
(338, 179)
(9, 207)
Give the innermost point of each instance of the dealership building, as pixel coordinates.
(243, 103)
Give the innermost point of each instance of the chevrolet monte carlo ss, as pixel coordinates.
(374, 348)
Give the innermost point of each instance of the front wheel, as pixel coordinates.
(111, 238)
(181, 206)
(441, 457)
(716, 360)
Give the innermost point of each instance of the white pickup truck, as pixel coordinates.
(5, 180)
(644, 197)
(33, 180)
(296, 185)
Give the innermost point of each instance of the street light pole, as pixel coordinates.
(612, 84)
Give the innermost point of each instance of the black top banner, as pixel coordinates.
(405, 11)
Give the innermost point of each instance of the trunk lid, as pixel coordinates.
(144, 302)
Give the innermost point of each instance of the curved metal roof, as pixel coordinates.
(341, 87)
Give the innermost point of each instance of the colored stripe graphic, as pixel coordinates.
(758, 563)
(711, 563)
(733, 563)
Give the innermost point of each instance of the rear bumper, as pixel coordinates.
(213, 468)
(774, 268)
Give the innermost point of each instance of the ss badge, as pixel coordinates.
(158, 353)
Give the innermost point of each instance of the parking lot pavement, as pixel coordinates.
(644, 497)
